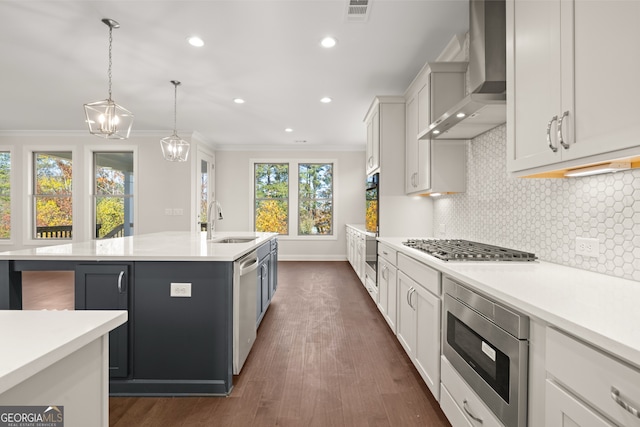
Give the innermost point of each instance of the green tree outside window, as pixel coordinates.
(5, 195)
(271, 197)
(315, 199)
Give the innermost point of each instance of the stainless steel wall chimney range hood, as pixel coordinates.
(485, 107)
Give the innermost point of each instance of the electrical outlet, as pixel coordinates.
(181, 290)
(587, 247)
(178, 211)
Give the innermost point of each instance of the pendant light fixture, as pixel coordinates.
(105, 118)
(174, 148)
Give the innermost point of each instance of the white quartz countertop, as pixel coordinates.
(600, 309)
(33, 340)
(361, 228)
(165, 246)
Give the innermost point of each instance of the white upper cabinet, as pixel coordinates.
(571, 83)
(373, 139)
(437, 88)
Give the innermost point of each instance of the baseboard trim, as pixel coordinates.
(282, 257)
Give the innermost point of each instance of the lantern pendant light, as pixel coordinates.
(174, 148)
(105, 118)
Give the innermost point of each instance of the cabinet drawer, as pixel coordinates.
(388, 253)
(563, 410)
(427, 277)
(594, 376)
(465, 398)
(454, 414)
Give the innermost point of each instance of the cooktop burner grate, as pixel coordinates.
(465, 250)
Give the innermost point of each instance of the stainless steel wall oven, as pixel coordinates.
(371, 225)
(487, 344)
(372, 198)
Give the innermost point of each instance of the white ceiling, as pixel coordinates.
(54, 57)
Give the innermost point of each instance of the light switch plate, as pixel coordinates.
(181, 290)
(587, 247)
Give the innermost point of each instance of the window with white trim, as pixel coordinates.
(5, 195)
(52, 195)
(315, 199)
(113, 194)
(302, 207)
(271, 197)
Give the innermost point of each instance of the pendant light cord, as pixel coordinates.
(175, 107)
(109, 73)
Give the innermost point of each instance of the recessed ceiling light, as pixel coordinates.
(288, 130)
(238, 100)
(326, 100)
(436, 132)
(328, 42)
(460, 115)
(195, 41)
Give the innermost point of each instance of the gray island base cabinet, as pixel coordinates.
(106, 287)
(181, 345)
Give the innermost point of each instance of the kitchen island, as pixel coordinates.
(178, 290)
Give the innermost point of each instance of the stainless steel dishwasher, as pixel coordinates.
(245, 292)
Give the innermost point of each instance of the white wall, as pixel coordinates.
(159, 185)
(234, 192)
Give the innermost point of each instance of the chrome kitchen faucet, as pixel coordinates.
(211, 226)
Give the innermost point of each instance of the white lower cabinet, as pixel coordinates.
(388, 291)
(356, 251)
(406, 331)
(462, 406)
(564, 410)
(371, 287)
(427, 355)
(418, 328)
(602, 382)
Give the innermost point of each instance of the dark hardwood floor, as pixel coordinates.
(324, 356)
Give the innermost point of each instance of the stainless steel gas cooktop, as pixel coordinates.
(465, 250)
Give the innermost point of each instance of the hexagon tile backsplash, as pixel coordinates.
(545, 216)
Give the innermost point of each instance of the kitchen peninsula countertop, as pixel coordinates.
(35, 340)
(165, 246)
(600, 309)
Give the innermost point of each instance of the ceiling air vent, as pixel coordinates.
(358, 10)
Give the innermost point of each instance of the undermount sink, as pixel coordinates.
(234, 240)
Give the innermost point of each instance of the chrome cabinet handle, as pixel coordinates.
(465, 406)
(564, 144)
(412, 290)
(553, 147)
(414, 179)
(370, 161)
(120, 276)
(615, 395)
(384, 268)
